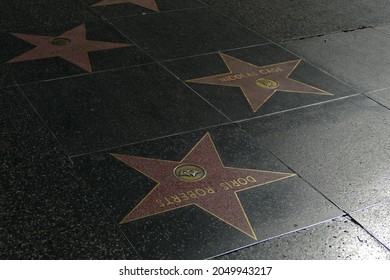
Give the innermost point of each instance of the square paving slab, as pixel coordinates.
(360, 58)
(197, 195)
(185, 33)
(254, 81)
(376, 220)
(24, 138)
(283, 20)
(119, 8)
(46, 53)
(46, 213)
(22, 14)
(5, 77)
(340, 147)
(339, 239)
(103, 110)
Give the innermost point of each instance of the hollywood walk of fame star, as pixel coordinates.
(200, 179)
(148, 4)
(259, 83)
(72, 46)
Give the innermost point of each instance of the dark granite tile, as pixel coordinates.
(340, 147)
(24, 139)
(339, 239)
(5, 77)
(242, 97)
(46, 213)
(21, 14)
(104, 110)
(376, 220)
(360, 58)
(283, 20)
(165, 229)
(84, 53)
(381, 96)
(118, 8)
(184, 33)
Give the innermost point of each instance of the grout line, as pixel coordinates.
(277, 236)
(368, 232)
(86, 74)
(153, 139)
(45, 124)
(117, 225)
(161, 65)
(154, 13)
(298, 108)
(284, 48)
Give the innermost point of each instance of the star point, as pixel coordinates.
(259, 83)
(199, 179)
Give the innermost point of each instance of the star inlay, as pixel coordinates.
(259, 83)
(200, 179)
(72, 46)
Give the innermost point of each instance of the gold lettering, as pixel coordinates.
(223, 185)
(168, 201)
(191, 194)
(270, 70)
(183, 196)
(159, 202)
(176, 198)
(242, 181)
(251, 179)
(251, 74)
(224, 79)
(210, 190)
(235, 183)
(200, 192)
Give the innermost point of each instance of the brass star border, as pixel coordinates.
(259, 83)
(72, 46)
(199, 179)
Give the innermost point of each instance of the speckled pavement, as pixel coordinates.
(195, 129)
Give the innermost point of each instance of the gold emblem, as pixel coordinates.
(267, 83)
(189, 172)
(60, 41)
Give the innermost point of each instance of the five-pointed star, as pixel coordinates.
(72, 46)
(204, 182)
(259, 83)
(148, 4)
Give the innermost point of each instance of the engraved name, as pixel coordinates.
(250, 74)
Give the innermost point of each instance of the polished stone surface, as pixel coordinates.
(282, 20)
(5, 77)
(339, 239)
(185, 33)
(46, 213)
(124, 124)
(341, 148)
(377, 221)
(272, 209)
(361, 59)
(124, 8)
(113, 108)
(28, 63)
(306, 84)
(20, 14)
(24, 139)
